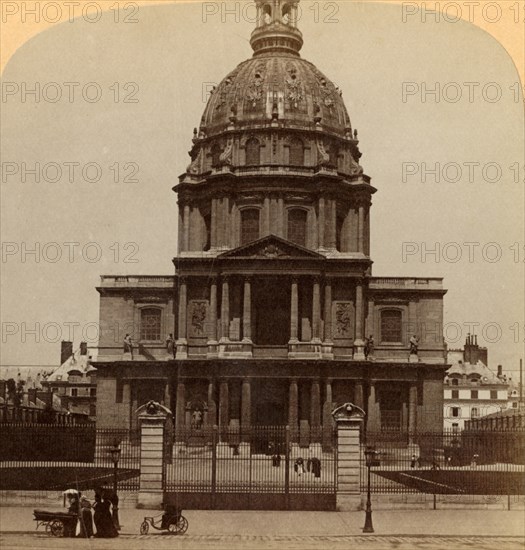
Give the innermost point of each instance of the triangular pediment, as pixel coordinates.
(273, 248)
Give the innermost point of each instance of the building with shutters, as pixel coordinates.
(273, 297)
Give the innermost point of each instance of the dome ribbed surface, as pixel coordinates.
(282, 86)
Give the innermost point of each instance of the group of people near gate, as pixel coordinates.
(93, 519)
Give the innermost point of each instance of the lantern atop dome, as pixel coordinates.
(276, 27)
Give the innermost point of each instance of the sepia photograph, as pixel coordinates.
(262, 274)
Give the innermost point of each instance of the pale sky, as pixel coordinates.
(166, 61)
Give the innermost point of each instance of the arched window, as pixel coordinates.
(253, 152)
(391, 327)
(150, 324)
(267, 13)
(249, 225)
(296, 152)
(297, 226)
(286, 14)
(215, 154)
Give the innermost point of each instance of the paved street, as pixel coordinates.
(217, 530)
(266, 542)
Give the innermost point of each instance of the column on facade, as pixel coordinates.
(183, 304)
(412, 410)
(186, 228)
(349, 230)
(246, 409)
(370, 322)
(293, 409)
(225, 310)
(180, 410)
(332, 223)
(327, 416)
(315, 411)
(212, 335)
(213, 224)
(316, 309)
(294, 314)
(232, 232)
(328, 311)
(361, 227)
(359, 343)
(358, 394)
(247, 311)
(266, 216)
(281, 227)
(373, 423)
(321, 222)
(212, 405)
(224, 404)
(167, 393)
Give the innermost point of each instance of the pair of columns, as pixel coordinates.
(216, 415)
(247, 313)
(374, 413)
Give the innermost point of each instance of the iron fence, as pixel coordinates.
(255, 467)
(51, 457)
(447, 463)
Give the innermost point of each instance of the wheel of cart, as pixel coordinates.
(56, 528)
(171, 520)
(55, 522)
(179, 527)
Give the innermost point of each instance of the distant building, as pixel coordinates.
(74, 381)
(471, 389)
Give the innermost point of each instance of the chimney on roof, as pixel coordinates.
(500, 371)
(476, 340)
(83, 348)
(66, 351)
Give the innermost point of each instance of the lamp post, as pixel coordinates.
(371, 460)
(115, 456)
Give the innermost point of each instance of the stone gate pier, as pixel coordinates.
(349, 421)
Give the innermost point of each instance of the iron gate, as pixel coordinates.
(257, 468)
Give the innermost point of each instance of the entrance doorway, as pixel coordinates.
(271, 313)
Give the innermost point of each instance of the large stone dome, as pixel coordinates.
(276, 85)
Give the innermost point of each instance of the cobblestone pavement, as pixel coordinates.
(269, 542)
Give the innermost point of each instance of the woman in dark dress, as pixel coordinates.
(86, 519)
(103, 520)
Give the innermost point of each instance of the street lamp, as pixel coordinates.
(115, 456)
(371, 460)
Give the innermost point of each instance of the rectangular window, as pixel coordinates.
(455, 394)
(93, 392)
(455, 412)
(391, 328)
(474, 413)
(150, 324)
(493, 394)
(455, 427)
(454, 381)
(474, 394)
(74, 392)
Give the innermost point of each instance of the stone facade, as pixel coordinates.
(273, 296)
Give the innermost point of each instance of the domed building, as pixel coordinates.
(273, 316)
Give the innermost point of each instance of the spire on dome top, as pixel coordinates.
(276, 27)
